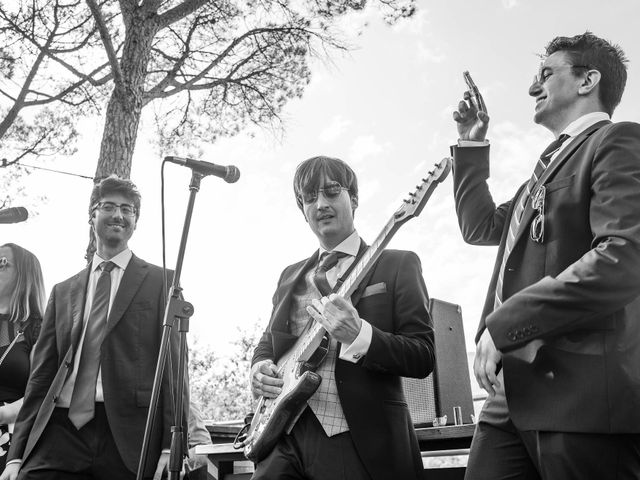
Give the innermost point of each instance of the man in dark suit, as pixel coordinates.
(357, 424)
(558, 348)
(88, 395)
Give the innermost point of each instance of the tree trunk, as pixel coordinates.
(125, 105)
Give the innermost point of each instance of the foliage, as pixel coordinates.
(209, 68)
(220, 384)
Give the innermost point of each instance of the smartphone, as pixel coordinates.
(476, 96)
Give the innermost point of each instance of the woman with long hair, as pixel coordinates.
(22, 302)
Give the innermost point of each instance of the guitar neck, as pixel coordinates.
(368, 259)
(351, 283)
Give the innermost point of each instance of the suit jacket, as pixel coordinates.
(370, 391)
(569, 328)
(128, 361)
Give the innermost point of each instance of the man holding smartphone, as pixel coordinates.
(558, 346)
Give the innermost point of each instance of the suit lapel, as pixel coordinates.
(133, 277)
(562, 158)
(282, 339)
(70, 332)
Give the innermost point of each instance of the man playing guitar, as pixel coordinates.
(356, 426)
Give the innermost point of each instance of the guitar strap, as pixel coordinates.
(358, 293)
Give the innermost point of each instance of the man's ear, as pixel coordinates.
(590, 82)
(354, 202)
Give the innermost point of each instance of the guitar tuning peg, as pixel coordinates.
(411, 194)
(406, 201)
(424, 180)
(418, 187)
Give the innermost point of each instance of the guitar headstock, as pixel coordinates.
(413, 205)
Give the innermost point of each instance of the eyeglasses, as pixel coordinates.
(331, 190)
(110, 207)
(537, 225)
(4, 263)
(545, 72)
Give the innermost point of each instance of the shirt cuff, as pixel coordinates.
(16, 460)
(472, 143)
(354, 351)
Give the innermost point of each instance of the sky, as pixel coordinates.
(385, 108)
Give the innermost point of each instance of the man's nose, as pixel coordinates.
(535, 87)
(117, 213)
(321, 201)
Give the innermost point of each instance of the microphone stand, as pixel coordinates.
(176, 309)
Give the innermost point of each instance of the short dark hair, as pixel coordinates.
(310, 173)
(115, 185)
(598, 54)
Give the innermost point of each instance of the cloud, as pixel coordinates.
(363, 147)
(335, 129)
(508, 4)
(426, 54)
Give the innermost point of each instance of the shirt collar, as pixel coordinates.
(581, 124)
(121, 260)
(349, 245)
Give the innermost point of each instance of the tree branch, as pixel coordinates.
(179, 12)
(108, 45)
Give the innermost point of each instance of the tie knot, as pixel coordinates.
(554, 146)
(107, 266)
(329, 260)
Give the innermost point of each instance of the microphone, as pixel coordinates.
(13, 215)
(229, 174)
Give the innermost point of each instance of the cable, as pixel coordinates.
(4, 165)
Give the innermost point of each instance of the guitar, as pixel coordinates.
(274, 415)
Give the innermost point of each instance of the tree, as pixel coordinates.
(36, 42)
(219, 384)
(209, 67)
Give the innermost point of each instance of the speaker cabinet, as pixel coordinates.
(449, 385)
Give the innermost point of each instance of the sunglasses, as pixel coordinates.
(330, 191)
(537, 225)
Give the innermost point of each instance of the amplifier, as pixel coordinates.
(449, 385)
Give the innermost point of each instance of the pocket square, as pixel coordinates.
(374, 289)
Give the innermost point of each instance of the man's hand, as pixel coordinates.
(11, 472)
(163, 466)
(337, 316)
(472, 123)
(486, 363)
(264, 379)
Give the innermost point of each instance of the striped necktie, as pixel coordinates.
(83, 398)
(326, 263)
(516, 216)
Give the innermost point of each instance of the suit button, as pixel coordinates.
(55, 399)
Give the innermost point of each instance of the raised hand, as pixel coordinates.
(472, 123)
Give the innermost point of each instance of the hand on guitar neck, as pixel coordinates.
(264, 379)
(337, 316)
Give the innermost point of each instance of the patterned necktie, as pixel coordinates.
(327, 262)
(82, 405)
(516, 216)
